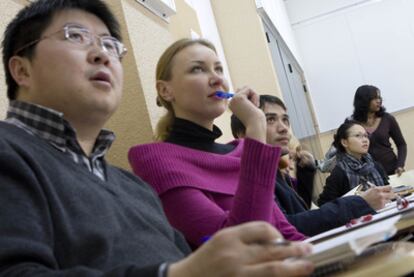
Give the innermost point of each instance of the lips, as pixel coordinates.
(283, 140)
(101, 77)
(213, 94)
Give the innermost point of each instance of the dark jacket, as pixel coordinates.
(305, 176)
(337, 184)
(328, 216)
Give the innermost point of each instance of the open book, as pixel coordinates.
(339, 248)
(352, 243)
(406, 220)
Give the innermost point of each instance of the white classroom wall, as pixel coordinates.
(209, 29)
(347, 43)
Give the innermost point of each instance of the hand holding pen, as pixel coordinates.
(244, 104)
(377, 196)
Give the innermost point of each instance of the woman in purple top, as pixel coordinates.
(381, 126)
(206, 186)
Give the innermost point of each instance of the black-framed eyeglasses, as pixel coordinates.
(360, 135)
(81, 36)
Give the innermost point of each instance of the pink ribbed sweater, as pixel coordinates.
(204, 192)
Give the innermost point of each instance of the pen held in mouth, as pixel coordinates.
(224, 95)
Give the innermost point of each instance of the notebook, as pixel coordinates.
(352, 243)
(337, 249)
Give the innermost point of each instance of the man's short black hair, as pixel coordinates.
(30, 23)
(237, 127)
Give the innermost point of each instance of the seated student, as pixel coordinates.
(328, 163)
(354, 163)
(328, 216)
(303, 171)
(205, 186)
(64, 210)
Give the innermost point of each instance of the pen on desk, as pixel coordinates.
(224, 95)
(280, 242)
(402, 203)
(370, 185)
(276, 242)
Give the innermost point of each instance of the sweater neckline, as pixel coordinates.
(191, 135)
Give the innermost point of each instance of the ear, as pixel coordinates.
(344, 143)
(164, 90)
(19, 68)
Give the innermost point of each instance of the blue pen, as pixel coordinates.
(224, 95)
(205, 239)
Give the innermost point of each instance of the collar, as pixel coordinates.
(189, 134)
(187, 131)
(51, 126)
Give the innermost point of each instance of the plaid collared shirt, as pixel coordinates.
(50, 125)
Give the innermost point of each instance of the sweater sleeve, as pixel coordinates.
(258, 167)
(337, 184)
(27, 231)
(330, 215)
(398, 138)
(195, 212)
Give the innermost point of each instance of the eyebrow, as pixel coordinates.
(202, 62)
(275, 114)
(74, 24)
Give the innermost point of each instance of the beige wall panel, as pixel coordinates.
(7, 11)
(145, 36)
(247, 54)
(245, 46)
(405, 120)
(184, 21)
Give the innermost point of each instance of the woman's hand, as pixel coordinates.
(377, 197)
(245, 105)
(304, 158)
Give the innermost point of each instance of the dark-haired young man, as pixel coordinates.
(64, 210)
(329, 215)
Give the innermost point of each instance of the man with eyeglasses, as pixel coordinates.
(64, 210)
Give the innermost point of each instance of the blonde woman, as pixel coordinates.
(206, 186)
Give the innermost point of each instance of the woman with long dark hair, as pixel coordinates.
(381, 126)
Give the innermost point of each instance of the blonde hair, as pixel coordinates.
(164, 73)
(293, 145)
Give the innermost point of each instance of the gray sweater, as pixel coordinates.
(58, 219)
